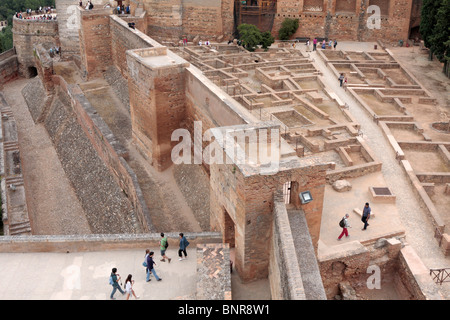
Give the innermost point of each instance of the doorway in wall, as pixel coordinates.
(32, 72)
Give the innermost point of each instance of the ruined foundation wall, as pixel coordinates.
(415, 276)
(392, 260)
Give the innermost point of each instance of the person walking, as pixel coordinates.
(114, 281)
(341, 79)
(366, 215)
(314, 44)
(150, 268)
(183, 245)
(129, 287)
(334, 44)
(163, 245)
(344, 225)
(147, 252)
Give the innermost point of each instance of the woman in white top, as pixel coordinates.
(129, 287)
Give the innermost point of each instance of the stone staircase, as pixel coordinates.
(18, 220)
(15, 212)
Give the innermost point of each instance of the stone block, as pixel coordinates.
(342, 186)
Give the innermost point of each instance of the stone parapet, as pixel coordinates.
(99, 242)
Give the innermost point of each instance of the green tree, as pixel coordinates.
(6, 39)
(428, 21)
(267, 40)
(435, 29)
(439, 39)
(250, 36)
(288, 28)
(8, 8)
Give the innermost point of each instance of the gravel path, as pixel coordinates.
(419, 230)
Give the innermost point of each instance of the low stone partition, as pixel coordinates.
(416, 277)
(100, 242)
(352, 171)
(423, 183)
(284, 271)
(436, 219)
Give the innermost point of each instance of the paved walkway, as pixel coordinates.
(84, 276)
(419, 230)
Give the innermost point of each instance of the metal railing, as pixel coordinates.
(440, 275)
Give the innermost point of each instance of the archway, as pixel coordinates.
(229, 230)
(32, 72)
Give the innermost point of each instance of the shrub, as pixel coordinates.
(250, 36)
(267, 40)
(288, 28)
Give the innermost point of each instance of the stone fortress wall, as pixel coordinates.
(332, 19)
(250, 212)
(29, 33)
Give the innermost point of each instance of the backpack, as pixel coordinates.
(166, 245)
(111, 282)
(342, 223)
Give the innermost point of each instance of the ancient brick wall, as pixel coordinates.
(284, 273)
(172, 19)
(157, 101)
(164, 18)
(202, 18)
(29, 33)
(346, 19)
(95, 41)
(44, 66)
(124, 38)
(9, 66)
(68, 26)
(248, 200)
(395, 22)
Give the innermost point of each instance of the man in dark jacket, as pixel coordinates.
(183, 245)
(150, 268)
(366, 215)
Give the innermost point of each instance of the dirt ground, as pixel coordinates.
(429, 73)
(52, 204)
